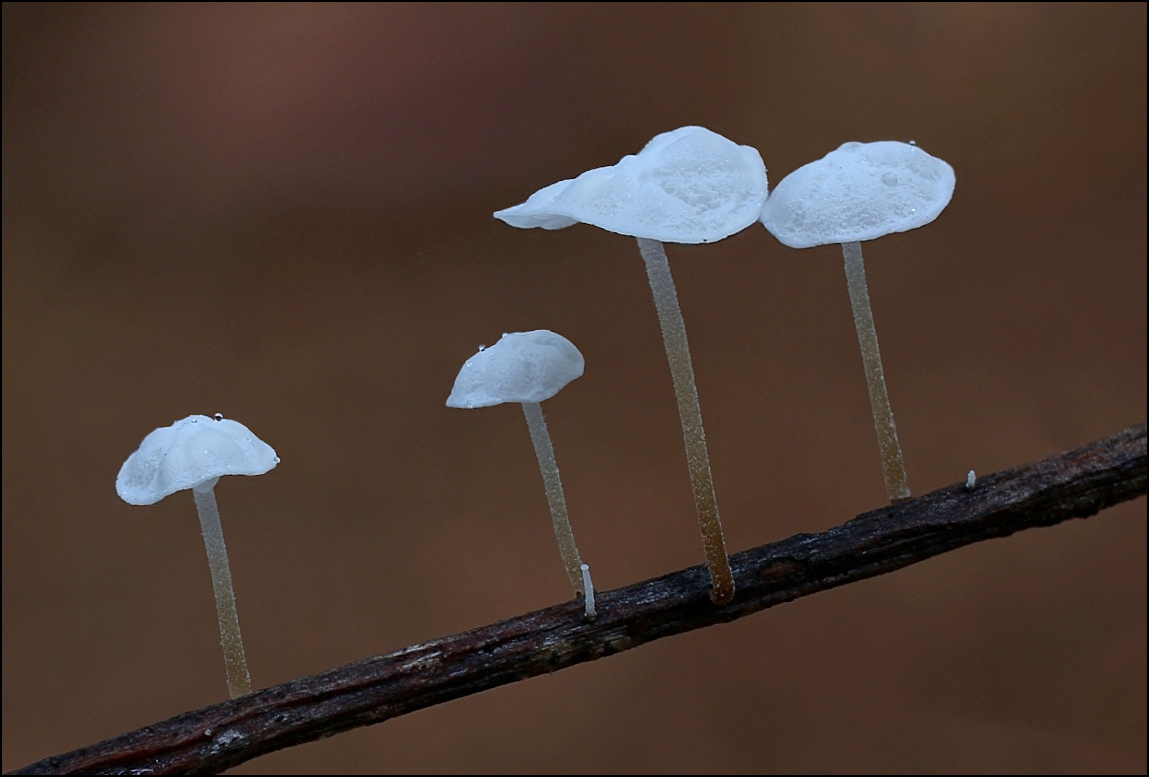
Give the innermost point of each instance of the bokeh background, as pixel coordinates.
(282, 213)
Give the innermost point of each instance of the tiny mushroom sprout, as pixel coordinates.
(528, 367)
(194, 453)
(690, 185)
(860, 192)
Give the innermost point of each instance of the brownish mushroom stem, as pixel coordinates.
(545, 453)
(697, 458)
(893, 468)
(238, 678)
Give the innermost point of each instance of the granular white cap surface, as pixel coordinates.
(521, 367)
(690, 185)
(860, 191)
(189, 453)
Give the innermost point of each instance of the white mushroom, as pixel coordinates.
(860, 192)
(194, 453)
(529, 367)
(690, 185)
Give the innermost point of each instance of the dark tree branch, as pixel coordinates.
(1075, 484)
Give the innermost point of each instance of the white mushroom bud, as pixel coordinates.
(529, 367)
(194, 453)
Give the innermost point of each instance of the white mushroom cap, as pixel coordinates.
(686, 186)
(859, 192)
(190, 453)
(521, 367)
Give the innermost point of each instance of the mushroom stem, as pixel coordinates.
(893, 468)
(238, 679)
(697, 458)
(545, 453)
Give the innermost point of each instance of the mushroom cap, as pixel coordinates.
(521, 367)
(861, 191)
(189, 453)
(690, 185)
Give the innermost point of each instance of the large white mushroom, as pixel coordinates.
(860, 192)
(690, 185)
(529, 367)
(195, 453)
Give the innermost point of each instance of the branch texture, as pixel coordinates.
(1074, 484)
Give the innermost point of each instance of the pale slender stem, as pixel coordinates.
(893, 468)
(238, 679)
(697, 458)
(545, 453)
(588, 586)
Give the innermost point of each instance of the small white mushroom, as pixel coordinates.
(194, 453)
(863, 191)
(690, 185)
(970, 479)
(529, 367)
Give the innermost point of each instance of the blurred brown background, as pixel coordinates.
(282, 213)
